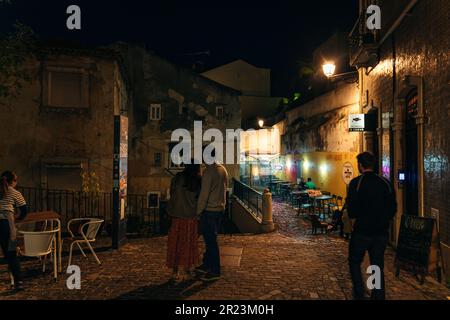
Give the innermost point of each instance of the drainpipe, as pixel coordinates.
(420, 122)
(399, 20)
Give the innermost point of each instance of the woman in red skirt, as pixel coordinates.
(182, 246)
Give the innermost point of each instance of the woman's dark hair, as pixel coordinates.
(6, 179)
(191, 175)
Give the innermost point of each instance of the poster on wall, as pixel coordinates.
(347, 172)
(120, 161)
(123, 164)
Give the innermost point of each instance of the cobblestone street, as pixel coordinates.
(286, 264)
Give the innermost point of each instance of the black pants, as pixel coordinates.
(10, 256)
(210, 226)
(375, 246)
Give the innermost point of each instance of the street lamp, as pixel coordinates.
(261, 123)
(328, 69)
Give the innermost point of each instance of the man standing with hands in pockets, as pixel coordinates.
(211, 208)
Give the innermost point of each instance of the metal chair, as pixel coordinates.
(86, 234)
(40, 244)
(304, 204)
(317, 224)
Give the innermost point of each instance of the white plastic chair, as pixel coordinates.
(87, 235)
(40, 244)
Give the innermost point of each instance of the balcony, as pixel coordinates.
(363, 45)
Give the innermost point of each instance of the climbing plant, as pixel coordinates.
(15, 48)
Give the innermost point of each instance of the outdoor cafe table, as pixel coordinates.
(46, 215)
(296, 193)
(321, 199)
(273, 186)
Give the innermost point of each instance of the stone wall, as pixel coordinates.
(49, 144)
(419, 47)
(184, 97)
(321, 125)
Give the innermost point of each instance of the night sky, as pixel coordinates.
(274, 34)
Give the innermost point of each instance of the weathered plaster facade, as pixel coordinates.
(63, 121)
(183, 97)
(316, 141)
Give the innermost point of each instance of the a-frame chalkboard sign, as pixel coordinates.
(418, 247)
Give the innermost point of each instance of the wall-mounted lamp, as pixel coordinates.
(330, 67)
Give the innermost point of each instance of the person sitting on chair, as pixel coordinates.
(310, 185)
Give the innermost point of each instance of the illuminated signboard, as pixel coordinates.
(362, 122)
(356, 122)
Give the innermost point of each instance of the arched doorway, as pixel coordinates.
(411, 199)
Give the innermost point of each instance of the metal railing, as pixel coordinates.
(76, 204)
(251, 198)
(144, 220)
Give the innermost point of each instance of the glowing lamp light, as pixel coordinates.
(261, 123)
(288, 164)
(323, 169)
(306, 165)
(329, 68)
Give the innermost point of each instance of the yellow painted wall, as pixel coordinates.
(325, 169)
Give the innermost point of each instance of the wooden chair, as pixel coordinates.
(317, 224)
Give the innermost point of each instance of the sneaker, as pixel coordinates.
(210, 277)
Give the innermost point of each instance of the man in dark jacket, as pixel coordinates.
(371, 202)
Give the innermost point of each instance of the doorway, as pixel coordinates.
(411, 158)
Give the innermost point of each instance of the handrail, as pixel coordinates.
(251, 198)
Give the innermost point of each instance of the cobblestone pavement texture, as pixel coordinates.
(289, 263)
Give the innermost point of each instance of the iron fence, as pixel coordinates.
(75, 204)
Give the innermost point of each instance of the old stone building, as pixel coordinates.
(254, 83)
(167, 97)
(404, 77)
(62, 123)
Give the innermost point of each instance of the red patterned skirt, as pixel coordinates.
(182, 244)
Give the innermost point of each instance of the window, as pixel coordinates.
(153, 199)
(63, 177)
(66, 88)
(158, 157)
(154, 112)
(219, 113)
